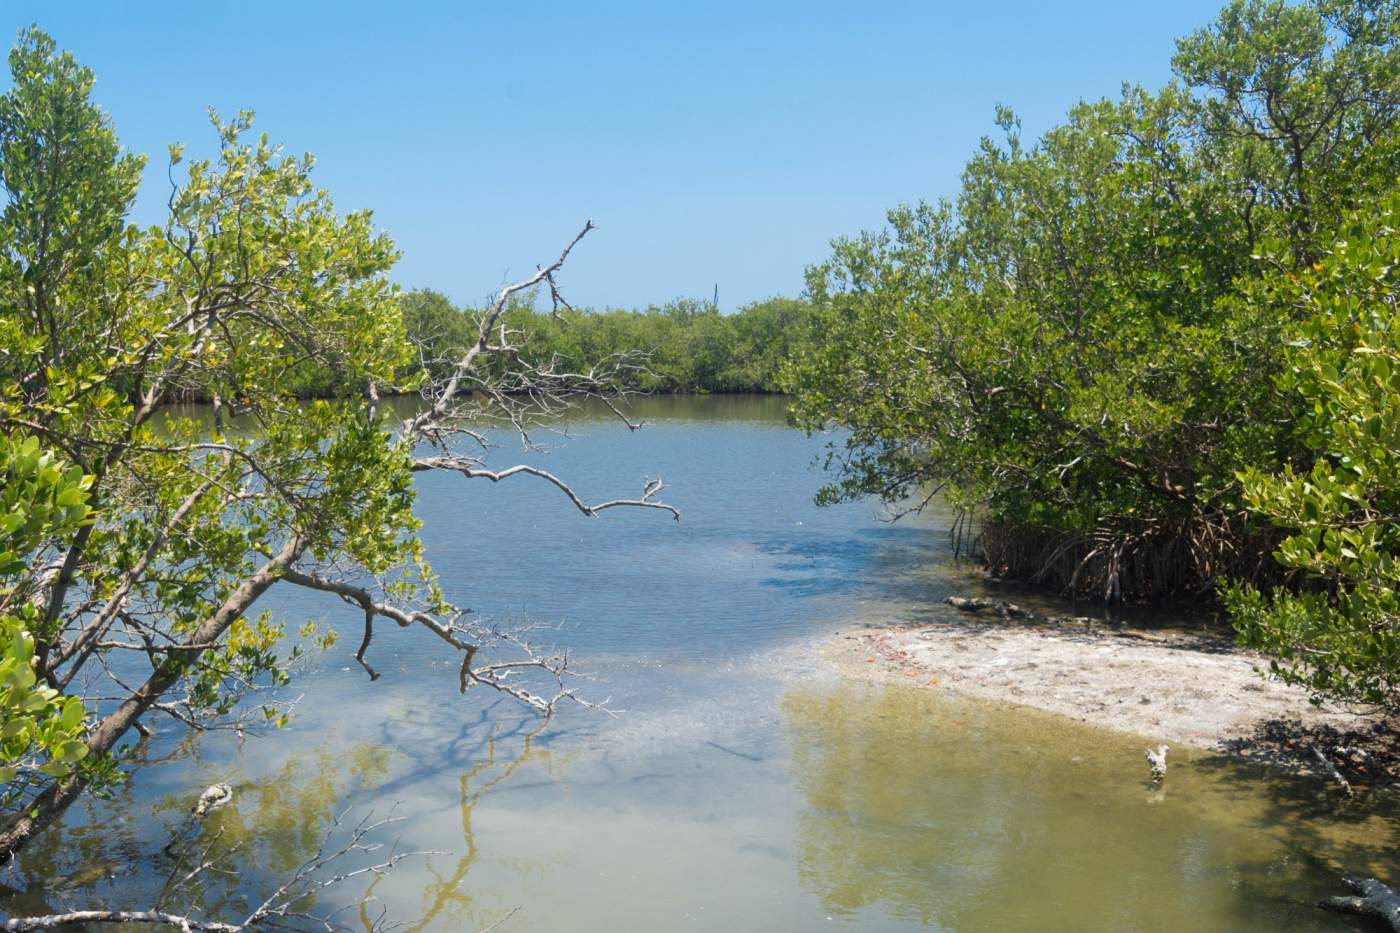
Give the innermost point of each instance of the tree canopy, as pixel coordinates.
(138, 538)
(1341, 502)
(1086, 344)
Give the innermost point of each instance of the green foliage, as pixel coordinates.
(685, 346)
(1056, 343)
(69, 186)
(41, 730)
(688, 346)
(1301, 102)
(40, 498)
(253, 291)
(1077, 343)
(439, 331)
(1341, 636)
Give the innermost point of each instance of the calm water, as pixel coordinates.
(743, 788)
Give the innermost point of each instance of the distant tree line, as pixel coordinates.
(684, 346)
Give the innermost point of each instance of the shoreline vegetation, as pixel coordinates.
(1157, 350)
(683, 347)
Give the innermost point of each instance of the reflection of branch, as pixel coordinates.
(304, 884)
(512, 913)
(280, 910)
(449, 889)
(204, 861)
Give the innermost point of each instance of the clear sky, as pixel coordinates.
(711, 142)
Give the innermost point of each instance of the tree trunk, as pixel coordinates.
(58, 796)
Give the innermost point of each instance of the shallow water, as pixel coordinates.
(744, 787)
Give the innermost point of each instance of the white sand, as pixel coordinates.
(1173, 688)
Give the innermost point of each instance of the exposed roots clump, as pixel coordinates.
(1146, 562)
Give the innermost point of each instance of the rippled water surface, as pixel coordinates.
(744, 787)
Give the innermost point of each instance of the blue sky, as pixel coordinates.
(712, 143)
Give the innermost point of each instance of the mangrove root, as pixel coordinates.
(1372, 899)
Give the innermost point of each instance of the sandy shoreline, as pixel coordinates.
(1175, 688)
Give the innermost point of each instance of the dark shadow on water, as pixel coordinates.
(1328, 834)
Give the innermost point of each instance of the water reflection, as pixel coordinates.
(445, 896)
(741, 790)
(970, 818)
(144, 850)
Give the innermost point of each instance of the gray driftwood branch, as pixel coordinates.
(1372, 899)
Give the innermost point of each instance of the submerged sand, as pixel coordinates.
(1176, 688)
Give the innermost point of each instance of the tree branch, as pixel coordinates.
(48, 921)
(467, 468)
(415, 425)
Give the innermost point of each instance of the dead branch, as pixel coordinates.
(465, 467)
(469, 640)
(521, 393)
(1332, 771)
(439, 407)
(72, 918)
(1372, 899)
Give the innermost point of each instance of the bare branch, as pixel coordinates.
(469, 641)
(466, 467)
(488, 324)
(73, 918)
